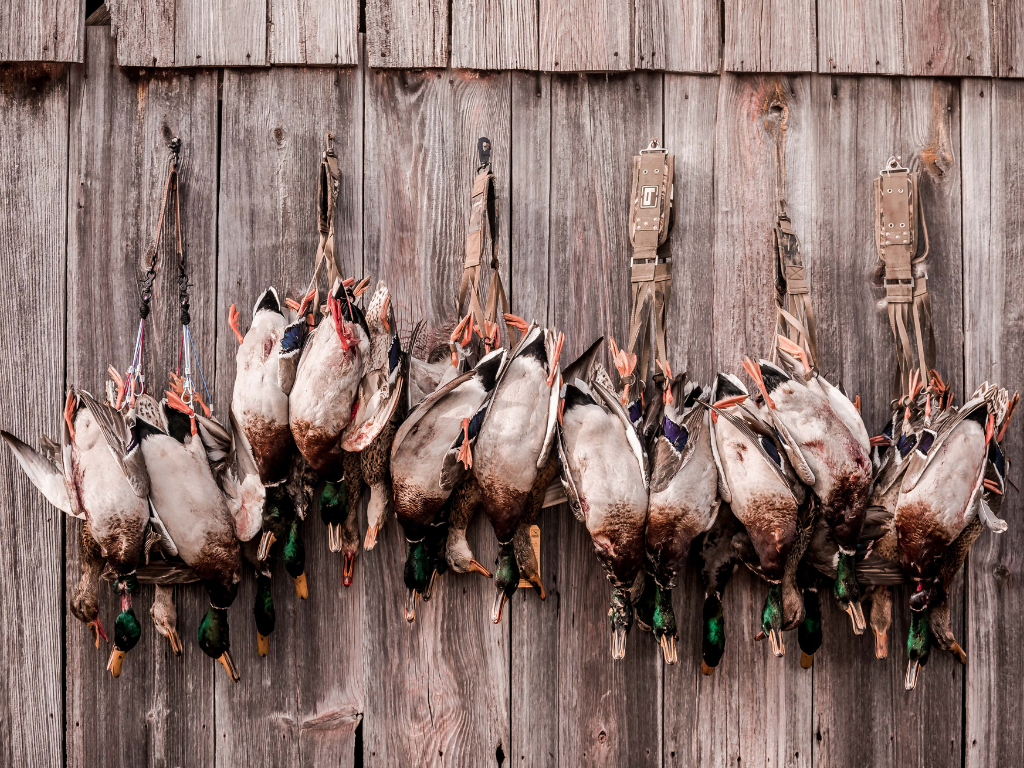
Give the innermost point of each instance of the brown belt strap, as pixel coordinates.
(793, 290)
(481, 236)
(326, 204)
(898, 207)
(650, 213)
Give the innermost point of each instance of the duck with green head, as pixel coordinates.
(717, 556)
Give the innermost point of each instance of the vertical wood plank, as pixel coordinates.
(313, 32)
(1008, 37)
(42, 30)
(144, 32)
(34, 102)
(860, 36)
(948, 37)
(407, 33)
(678, 35)
(770, 36)
(160, 711)
(495, 34)
(752, 687)
(608, 712)
(590, 36)
(439, 690)
(993, 270)
(230, 33)
(308, 692)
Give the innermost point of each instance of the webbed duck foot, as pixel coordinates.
(856, 614)
(262, 644)
(410, 606)
(668, 648)
(229, 666)
(97, 631)
(233, 322)
(301, 588)
(266, 542)
(115, 661)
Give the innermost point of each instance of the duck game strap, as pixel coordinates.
(898, 207)
(326, 204)
(650, 219)
(481, 237)
(793, 289)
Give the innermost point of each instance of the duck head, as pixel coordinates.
(809, 634)
(919, 642)
(506, 579)
(712, 636)
(215, 640)
(127, 630)
(620, 615)
(419, 571)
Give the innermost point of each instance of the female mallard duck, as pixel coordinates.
(101, 478)
(684, 496)
(605, 479)
(766, 497)
(423, 450)
(827, 457)
(187, 454)
(522, 412)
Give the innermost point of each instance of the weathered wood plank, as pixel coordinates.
(947, 37)
(752, 687)
(439, 691)
(42, 30)
(677, 35)
(607, 712)
(313, 32)
(860, 36)
(591, 36)
(1008, 38)
(144, 32)
(494, 34)
(160, 711)
(993, 113)
(309, 690)
(770, 36)
(230, 33)
(34, 102)
(407, 33)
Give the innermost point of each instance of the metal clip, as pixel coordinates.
(892, 165)
(653, 147)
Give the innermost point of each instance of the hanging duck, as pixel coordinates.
(436, 441)
(604, 472)
(717, 554)
(684, 497)
(766, 496)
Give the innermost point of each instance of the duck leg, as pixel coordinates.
(881, 619)
(165, 617)
(85, 604)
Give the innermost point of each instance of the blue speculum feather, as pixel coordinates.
(292, 338)
(995, 455)
(676, 434)
(474, 427)
(635, 411)
(394, 354)
(772, 450)
(927, 440)
(906, 444)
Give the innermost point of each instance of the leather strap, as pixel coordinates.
(650, 220)
(481, 238)
(328, 180)
(793, 290)
(898, 208)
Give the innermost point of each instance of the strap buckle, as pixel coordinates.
(653, 147)
(893, 165)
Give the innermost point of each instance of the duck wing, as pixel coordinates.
(166, 542)
(44, 472)
(613, 404)
(930, 440)
(122, 439)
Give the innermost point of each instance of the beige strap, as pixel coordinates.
(326, 204)
(650, 212)
(898, 208)
(793, 290)
(481, 238)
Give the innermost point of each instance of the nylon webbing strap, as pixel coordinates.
(793, 289)
(898, 208)
(481, 238)
(650, 210)
(326, 204)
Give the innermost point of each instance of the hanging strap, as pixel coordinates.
(898, 207)
(793, 290)
(328, 181)
(481, 238)
(650, 212)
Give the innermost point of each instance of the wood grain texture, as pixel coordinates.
(229, 33)
(860, 36)
(407, 33)
(274, 124)
(587, 36)
(1008, 38)
(160, 711)
(948, 38)
(34, 102)
(144, 32)
(608, 712)
(991, 112)
(770, 36)
(495, 34)
(313, 32)
(439, 692)
(42, 30)
(677, 35)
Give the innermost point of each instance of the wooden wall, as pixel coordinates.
(348, 681)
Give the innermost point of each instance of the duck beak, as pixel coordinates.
(174, 640)
(806, 660)
(668, 648)
(262, 644)
(97, 631)
(857, 617)
(266, 542)
(476, 567)
(959, 652)
(499, 604)
(301, 589)
(778, 646)
(913, 671)
(371, 537)
(334, 537)
(881, 644)
(705, 669)
(410, 606)
(429, 591)
(346, 573)
(618, 642)
(115, 661)
(229, 666)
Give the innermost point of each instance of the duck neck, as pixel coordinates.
(126, 627)
(263, 609)
(213, 632)
(713, 634)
